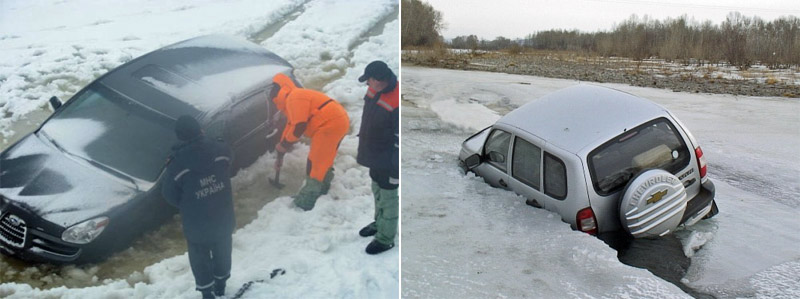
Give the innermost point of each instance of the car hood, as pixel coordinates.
(64, 190)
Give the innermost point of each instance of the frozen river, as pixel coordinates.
(462, 237)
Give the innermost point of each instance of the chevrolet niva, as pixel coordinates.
(87, 182)
(602, 159)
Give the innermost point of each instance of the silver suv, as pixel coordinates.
(603, 159)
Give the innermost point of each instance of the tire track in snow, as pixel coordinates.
(321, 48)
(375, 30)
(271, 28)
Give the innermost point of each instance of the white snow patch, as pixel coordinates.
(695, 241)
(470, 115)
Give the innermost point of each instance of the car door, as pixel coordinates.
(247, 127)
(495, 155)
(526, 170)
(538, 174)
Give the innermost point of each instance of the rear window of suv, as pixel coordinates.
(655, 144)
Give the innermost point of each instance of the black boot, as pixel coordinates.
(368, 230)
(219, 288)
(376, 247)
(207, 294)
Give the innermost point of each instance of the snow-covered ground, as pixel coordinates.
(462, 238)
(55, 47)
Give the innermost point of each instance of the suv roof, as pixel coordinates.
(583, 115)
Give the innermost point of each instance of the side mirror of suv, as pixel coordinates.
(472, 161)
(55, 103)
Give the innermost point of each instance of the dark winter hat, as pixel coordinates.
(377, 70)
(187, 128)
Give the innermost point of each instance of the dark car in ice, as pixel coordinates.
(87, 182)
(602, 159)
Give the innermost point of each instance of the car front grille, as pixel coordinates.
(13, 230)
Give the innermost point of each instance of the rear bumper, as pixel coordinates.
(700, 205)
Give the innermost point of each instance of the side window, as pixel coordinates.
(216, 128)
(555, 177)
(526, 163)
(496, 148)
(247, 115)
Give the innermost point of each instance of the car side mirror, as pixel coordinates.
(496, 157)
(55, 103)
(472, 161)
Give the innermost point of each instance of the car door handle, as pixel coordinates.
(272, 133)
(503, 183)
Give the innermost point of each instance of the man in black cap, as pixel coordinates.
(199, 185)
(378, 149)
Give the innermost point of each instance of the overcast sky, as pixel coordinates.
(517, 18)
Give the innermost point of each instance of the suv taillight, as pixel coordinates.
(701, 162)
(586, 222)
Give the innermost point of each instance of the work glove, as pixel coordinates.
(281, 149)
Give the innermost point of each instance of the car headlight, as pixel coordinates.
(86, 231)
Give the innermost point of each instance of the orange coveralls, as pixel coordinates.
(314, 114)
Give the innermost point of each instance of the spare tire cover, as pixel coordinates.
(652, 204)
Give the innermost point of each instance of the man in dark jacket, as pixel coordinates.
(378, 149)
(199, 185)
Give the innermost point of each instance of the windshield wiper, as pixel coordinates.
(52, 141)
(110, 170)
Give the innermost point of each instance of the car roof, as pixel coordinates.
(582, 116)
(203, 74)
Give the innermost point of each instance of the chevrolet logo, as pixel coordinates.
(656, 197)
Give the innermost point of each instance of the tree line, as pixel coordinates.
(739, 41)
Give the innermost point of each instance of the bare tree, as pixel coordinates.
(421, 24)
(734, 40)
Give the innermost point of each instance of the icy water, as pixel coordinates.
(154, 246)
(664, 257)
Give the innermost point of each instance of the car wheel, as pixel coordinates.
(652, 204)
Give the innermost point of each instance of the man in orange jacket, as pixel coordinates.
(324, 120)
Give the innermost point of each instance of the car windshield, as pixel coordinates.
(655, 144)
(104, 127)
